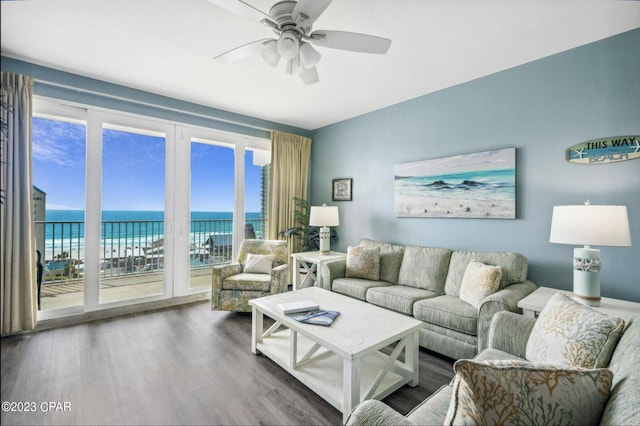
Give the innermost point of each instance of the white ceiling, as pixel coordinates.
(166, 47)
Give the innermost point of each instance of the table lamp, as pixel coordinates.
(589, 225)
(324, 217)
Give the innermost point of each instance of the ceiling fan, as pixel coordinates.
(292, 22)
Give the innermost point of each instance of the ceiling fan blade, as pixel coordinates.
(244, 9)
(244, 51)
(309, 76)
(355, 42)
(306, 12)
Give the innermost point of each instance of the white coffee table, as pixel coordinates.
(341, 363)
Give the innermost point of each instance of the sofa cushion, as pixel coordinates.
(258, 263)
(514, 392)
(251, 282)
(514, 268)
(355, 287)
(448, 312)
(479, 281)
(390, 259)
(363, 262)
(424, 267)
(399, 298)
(570, 334)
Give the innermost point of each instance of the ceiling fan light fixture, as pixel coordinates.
(288, 45)
(292, 22)
(309, 56)
(271, 55)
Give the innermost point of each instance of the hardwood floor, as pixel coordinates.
(181, 365)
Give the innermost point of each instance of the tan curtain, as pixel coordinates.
(290, 156)
(17, 258)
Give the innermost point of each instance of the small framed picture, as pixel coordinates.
(342, 189)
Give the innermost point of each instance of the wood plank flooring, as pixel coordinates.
(181, 365)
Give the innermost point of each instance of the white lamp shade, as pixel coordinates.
(309, 56)
(324, 216)
(270, 54)
(288, 45)
(590, 225)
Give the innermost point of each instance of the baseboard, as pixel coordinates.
(119, 311)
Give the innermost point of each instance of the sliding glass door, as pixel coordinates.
(59, 151)
(228, 188)
(135, 209)
(132, 235)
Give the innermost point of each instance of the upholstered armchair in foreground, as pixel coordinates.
(262, 269)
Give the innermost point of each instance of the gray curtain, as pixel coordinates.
(17, 255)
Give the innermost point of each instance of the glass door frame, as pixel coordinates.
(97, 121)
(177, 217)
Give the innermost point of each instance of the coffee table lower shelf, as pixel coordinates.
(325, 372)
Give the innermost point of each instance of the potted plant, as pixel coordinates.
(309, 235)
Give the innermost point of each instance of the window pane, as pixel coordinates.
(256, 193)
(212, 204)
(58, 159)
(132, 231)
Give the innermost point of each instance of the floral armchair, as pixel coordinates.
(262, 269)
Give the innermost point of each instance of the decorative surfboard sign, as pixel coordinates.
(604, 150)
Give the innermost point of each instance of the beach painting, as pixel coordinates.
(478, 185)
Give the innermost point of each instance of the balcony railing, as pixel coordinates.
(132, 247)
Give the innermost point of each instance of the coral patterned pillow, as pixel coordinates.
(570, 334)
(515, 392)
(479, 281)
(363, 262)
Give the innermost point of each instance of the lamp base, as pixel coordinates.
(586, 276)
(325, 240)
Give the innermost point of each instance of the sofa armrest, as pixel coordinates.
(219, 274)
(509, 332)
(373, 412)
(329, 271)
(503, 300)
(279, 278)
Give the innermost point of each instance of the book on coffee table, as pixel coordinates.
(317, 317)
(299, 306)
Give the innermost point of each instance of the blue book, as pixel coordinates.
(317, 317)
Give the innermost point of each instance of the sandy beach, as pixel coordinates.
(422, 206)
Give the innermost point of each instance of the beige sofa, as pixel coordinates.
(509, 335)
(425, 282)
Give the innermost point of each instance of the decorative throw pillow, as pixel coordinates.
(258, 263)
(570, 334)
(479, 281)
(363, 262)
(515, 392)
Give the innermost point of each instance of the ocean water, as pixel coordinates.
(489, 185)
(130, 230)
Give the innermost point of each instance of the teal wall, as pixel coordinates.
(541, 108)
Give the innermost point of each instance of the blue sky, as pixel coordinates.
(133, 170)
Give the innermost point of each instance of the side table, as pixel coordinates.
(309, 262)
(534, 302)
